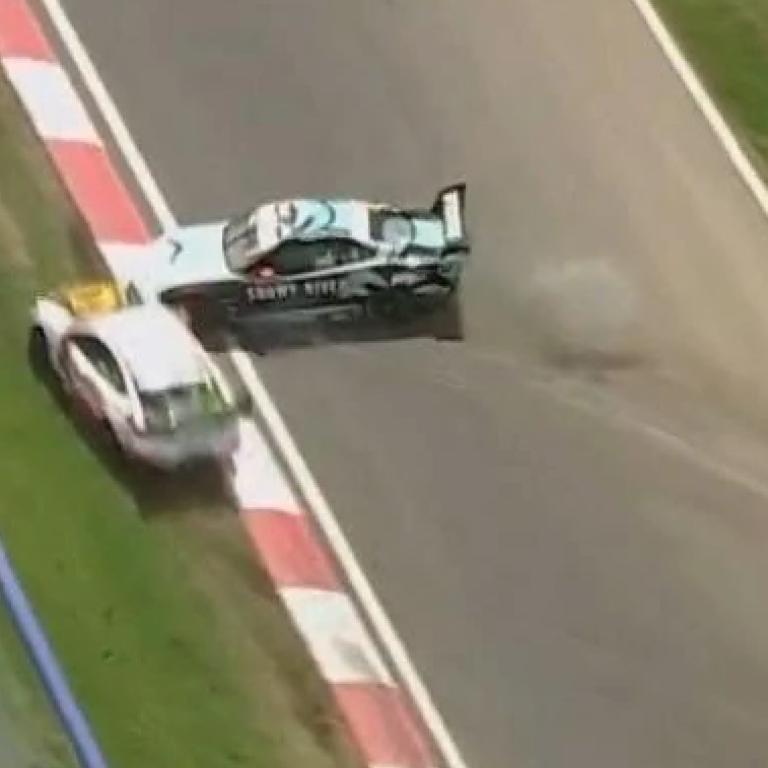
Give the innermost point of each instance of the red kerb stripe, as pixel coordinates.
(290, 550)
(383, 725)
(98, 192)
(20, 34)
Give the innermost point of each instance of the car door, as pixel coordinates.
(277, 279)
(302, 275)
(95, 378)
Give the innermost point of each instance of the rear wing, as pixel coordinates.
(449, 205)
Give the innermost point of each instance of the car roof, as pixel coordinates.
(158, 349)
(317, 219)
(314, 218)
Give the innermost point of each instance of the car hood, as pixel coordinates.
(183, 256)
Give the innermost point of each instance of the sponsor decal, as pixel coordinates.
(309, 289)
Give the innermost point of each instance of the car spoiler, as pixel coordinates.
(449, 205)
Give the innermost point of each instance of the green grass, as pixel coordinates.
(164, 623)
(727, 42)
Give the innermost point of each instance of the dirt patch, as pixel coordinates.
(585, 313)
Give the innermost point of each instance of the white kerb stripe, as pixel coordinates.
(120, 257)
(337, 639)
(47, 93)
(132, 263)
(257, 479)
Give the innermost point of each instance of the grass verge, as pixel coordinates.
(29, 733)
(727, 43)
(168, 630)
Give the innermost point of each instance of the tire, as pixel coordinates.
(393, 305)
(447, 319)
(111, 441)
(39, 356)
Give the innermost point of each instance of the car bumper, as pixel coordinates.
(173, 451)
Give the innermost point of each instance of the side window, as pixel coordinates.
(294, 257)
(332, 254)
(347, 252)
(102, 359)
(297, 257)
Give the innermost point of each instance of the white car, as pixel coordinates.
(138, 372)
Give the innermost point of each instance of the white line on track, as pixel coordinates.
(306, 483)
(704, 102)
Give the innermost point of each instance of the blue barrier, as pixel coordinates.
(88, 753)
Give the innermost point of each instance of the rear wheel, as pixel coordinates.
(393, 305)
(446, 320)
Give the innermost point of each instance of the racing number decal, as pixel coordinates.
(271, 292)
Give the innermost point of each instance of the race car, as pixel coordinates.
(136, 372)
(311, 258)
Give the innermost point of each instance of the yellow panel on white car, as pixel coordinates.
(92, 298)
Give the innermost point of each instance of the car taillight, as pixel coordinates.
(264, 272)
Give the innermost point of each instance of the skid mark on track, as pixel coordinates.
(696, 442)
(655, 406)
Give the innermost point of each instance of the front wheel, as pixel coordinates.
(447, 319)
(39, 356)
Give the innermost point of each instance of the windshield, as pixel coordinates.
(240, 241)
(392, 227)
(171, 409)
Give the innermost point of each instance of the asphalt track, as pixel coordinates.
(576, 590)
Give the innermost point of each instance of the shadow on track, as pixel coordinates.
(262, 337)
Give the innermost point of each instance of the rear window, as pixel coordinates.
(407, 231)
